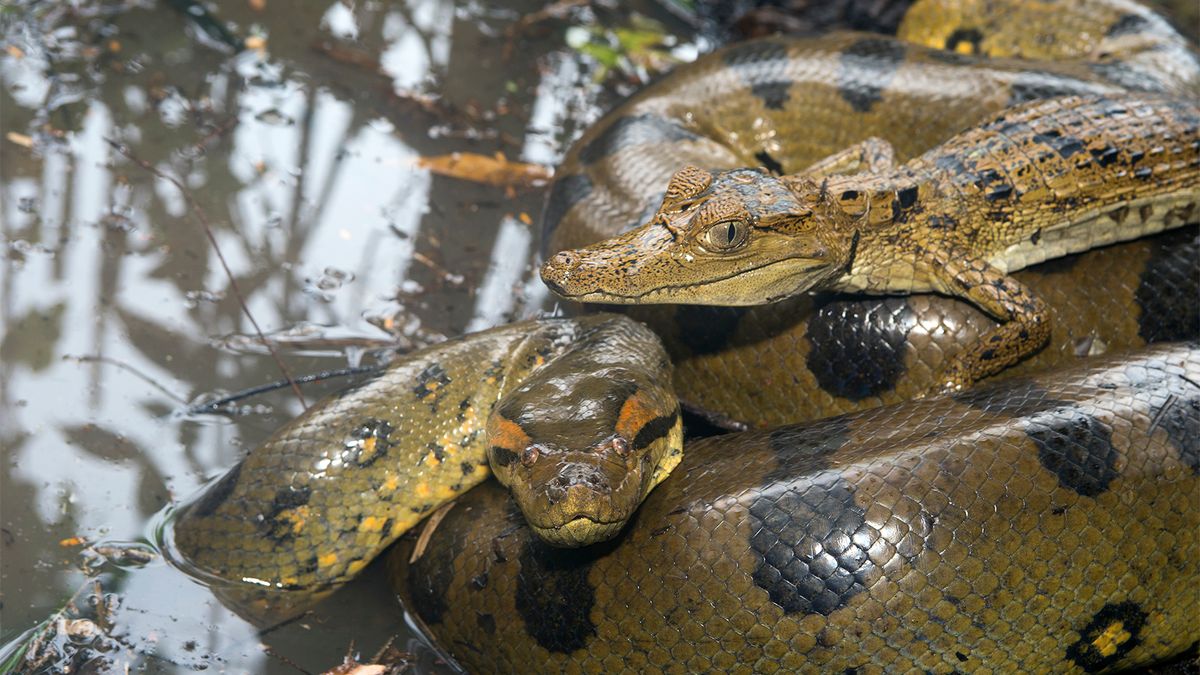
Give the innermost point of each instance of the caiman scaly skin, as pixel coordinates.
(1045, 524)
(308, 508)
(1038, 181)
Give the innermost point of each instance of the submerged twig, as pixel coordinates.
(214, 406)
(198, 213)
(95, 358)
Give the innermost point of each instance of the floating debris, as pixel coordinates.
(495, 170)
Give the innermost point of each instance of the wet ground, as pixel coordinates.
(301, 155)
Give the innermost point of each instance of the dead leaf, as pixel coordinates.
(497, 171)
(19, 139)
(427, 532)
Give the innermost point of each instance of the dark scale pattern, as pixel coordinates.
(566, 192)
(1168, 289)
(216, 494)
(774, 94)
(369, 441)
(866, 69)
(806, 447)
(808, 557)
(1026, 398)
(968, 36)
(758, 64)
(1179, 417)
(1033, 85)
(554, 597)
(707, 330)
(857, 348)
(1077, 448)
(631, 131)
(432, 577)
(1112, 633)
(431, 384)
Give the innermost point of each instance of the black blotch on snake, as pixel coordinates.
(432, 574)
(554, 597)
(286, 498)
(1023, 398)
(857, 347)
(806, 557)
(707, 329)
(1168, 288)
(866, 69)
(631, 131)
(806, 447)
(970, 36)
(1076, 447)
(1128, 617)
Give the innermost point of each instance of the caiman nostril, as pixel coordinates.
(563, 260)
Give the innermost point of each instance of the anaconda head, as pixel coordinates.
(738, 237)
(581, 447)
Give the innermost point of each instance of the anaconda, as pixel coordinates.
(308, 509)
(1047, 524)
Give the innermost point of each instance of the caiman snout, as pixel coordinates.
(558, 269)
(577, 477)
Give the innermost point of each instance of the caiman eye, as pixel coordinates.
(724, 236)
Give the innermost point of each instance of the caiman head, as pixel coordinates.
(737, 237)
(582, 445)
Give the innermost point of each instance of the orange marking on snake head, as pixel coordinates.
(636, 412)
(423, 490)
(327, 560)
(391, 483)
(507, 434)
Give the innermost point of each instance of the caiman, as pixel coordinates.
(1036, 182)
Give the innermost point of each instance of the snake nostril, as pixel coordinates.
(530, 455)
(621, 446)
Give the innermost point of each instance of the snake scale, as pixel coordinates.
(845, 545)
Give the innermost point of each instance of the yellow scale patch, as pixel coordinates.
(1111, 639)
(295, 518)
(371, 524)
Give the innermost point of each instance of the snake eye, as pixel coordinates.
(724, 236)
(530, 455)
(621, 446)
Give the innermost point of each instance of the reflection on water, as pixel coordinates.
(116, 313)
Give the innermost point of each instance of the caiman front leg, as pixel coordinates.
(872, 155)
(1025, 319)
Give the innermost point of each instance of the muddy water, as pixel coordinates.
(301, 155)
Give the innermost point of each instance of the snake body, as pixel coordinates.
(309, 507)
(1047, 524)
